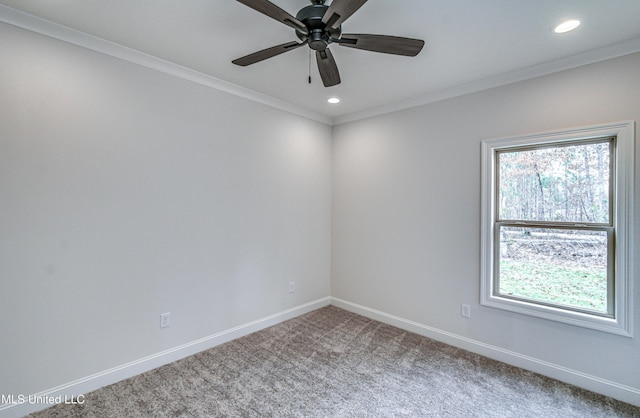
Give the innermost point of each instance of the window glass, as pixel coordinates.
(561, 183)
(565, 267)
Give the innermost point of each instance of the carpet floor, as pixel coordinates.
(334, 363)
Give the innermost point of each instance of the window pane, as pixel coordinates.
(558, 184)
(556, 266)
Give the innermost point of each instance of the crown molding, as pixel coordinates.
(567, 63)
(64, 33)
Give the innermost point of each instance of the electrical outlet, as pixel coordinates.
(165, 319)
(292, 287)
(466, 311)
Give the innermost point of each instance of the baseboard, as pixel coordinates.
(67, 392)
(593, 383)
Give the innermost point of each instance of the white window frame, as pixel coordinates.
(621, 321)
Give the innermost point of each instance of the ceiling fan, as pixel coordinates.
(319, 25)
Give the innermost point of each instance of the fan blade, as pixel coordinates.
(328, 68)
(274, 12)
(266, 53)
(382, 43)
(339, 11)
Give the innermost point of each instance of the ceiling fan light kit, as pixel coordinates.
(318, 26)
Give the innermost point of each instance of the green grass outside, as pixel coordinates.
(546, 282)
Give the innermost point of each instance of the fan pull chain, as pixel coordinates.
(309, 65)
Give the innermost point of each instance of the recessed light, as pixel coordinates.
(334, 100)
(567, 25)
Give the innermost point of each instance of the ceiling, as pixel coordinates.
(470, 45)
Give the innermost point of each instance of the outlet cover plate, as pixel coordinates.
(165, 319)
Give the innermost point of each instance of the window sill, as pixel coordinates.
(596, 322)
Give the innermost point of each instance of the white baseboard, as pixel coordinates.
(66, 392)
(593, 383)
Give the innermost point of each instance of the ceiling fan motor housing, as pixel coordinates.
(319, 35)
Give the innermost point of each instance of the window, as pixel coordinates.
(557, 225)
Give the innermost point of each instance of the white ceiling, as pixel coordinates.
(470, 44)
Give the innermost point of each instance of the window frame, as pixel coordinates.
(619, 319)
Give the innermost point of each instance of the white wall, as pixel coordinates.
(406, 216)
(125, 193)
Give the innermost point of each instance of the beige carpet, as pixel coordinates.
(333, 363)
